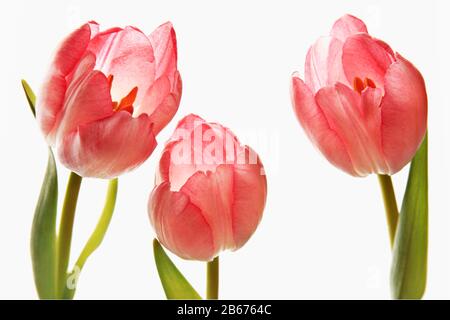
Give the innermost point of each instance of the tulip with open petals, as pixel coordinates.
(362, 104)
(107, 95)
(210, 191)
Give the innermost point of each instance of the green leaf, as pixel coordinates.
(30, 96)
(43, 229)
(43, 234)
(95, 239)
(174, 283)
(409, 265)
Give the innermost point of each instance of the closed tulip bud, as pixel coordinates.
(107, 95)
(210, 191)
(362, 104)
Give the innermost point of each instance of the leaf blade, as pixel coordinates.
(174, 283)
(43, 229)
(43, 234)
(409, 264)
(31, 97)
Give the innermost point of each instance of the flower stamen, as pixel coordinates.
(126, 103)
(369, 83)
(359, 85)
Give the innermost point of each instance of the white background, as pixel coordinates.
(323, 234)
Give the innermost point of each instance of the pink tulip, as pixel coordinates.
(107, 95)
(362, 104)
(210, 191)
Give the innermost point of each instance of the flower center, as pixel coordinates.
(359, 85)
(126, 103)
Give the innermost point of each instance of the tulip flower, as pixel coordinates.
(107, 95)
(365, 107)
(362, 104)
(210, 191)
(105, 98)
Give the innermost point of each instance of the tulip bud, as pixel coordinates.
(362, 104)
(210, 191)
(107, 95)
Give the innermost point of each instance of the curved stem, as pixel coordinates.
(65, 229)
(212, 279)
(97, 236)
(390, 204)
(95, 239)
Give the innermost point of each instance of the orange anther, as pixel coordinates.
(369, 83)
(358, 85)
(126, 104)
(110, 80)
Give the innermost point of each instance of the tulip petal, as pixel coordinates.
(51, 97)
(155, 95)
(184, 131)
(403, 112)
(89, 99)
(317, 127)
(174, 152)
(343, 109)
(316, 64)
(250, 191)
(203, 149)
(323, 65)
(371, 115)
(180, 225)
(164, 42)
(346, 26)
(189, 123)
(212, 193)
(49, 104)
(108, 147)
(126, 54)
(73, 48)
(167, 109)
(365, 57)
(160, 103)
(162, 173)
(85, 66)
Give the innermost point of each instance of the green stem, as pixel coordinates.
(212, 279)
(95, 239)
(65, 230)
(97, 236)
(390, 204)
